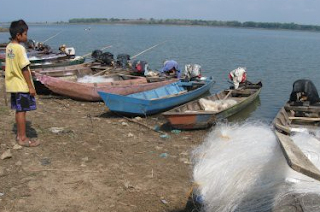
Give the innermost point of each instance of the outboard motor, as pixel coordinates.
(31, 44)
(123, 60)
(192, 72)
(304, 92)
(139, 67)
(42, 47)
(70, 51)
(106, 58)
(96, 54)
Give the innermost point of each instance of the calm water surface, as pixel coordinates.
(278, 58)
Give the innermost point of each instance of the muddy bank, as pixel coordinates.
(91, 160)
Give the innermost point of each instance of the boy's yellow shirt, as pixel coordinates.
(16, 60)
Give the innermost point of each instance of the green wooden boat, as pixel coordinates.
(205, 112)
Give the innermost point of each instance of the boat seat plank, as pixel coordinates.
(304, 118)
(237, 99)
(172, 95)
(308, 127)
(295, 128)
(296, 159)
(166, 90)
(243, 92)
(282, 128)
(217, 95)
(303, 108)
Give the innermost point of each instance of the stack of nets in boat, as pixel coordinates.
(217, 105)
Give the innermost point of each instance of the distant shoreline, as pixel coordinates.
(187, 22)
(4, 29)
(181, 22)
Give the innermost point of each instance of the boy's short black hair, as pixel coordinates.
(17, 27)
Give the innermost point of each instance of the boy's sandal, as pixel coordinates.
(29, 143)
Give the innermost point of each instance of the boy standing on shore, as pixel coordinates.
(18, 80)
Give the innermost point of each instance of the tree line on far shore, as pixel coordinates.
(4, 29)
(247, 24)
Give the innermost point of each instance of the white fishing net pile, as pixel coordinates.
(241, 168)
(310, 146)
(217, 105)
(94, 79)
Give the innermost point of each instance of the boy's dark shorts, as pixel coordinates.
(22, 102)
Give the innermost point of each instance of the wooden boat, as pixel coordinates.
(156, 100)
(300, 114)
(63, 71)
(70, 87)
(71, 72)
(41, 58)
(118, 84)
(55, 63)
(289, 120)
(3, 45)
(205, 112)
(36, 56)
(33, 54)
(58, 63)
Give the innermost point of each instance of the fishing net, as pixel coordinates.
(217, 105)
(94, 79)
(241, 168)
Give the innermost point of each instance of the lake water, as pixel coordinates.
(278, 58)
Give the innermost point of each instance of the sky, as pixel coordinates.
(282, 11)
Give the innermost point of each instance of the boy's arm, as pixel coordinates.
(26, 75)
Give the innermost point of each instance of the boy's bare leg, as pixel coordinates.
(22, 138)
(21, 126)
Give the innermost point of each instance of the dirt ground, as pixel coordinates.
(92, 160)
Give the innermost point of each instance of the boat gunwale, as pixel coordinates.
(156, 100)
(203, 112)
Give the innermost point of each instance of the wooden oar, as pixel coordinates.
(296, 159)
(147, 50)
(100, 72)
(52, 37)
(86, 55)
(226, 96)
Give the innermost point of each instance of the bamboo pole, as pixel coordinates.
(147, 50)
(227, 95)
(142, 124)
(100, 72)
(52, 37)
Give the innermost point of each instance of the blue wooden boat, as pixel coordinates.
(156, 100)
